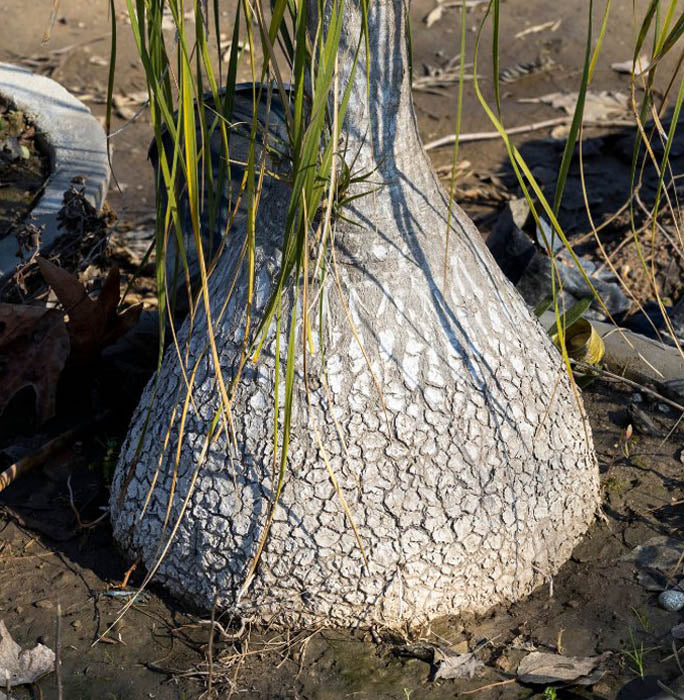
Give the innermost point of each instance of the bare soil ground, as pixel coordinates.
(52, 550)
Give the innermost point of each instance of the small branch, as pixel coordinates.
(81, 524)
(225, 635)
(210, 651)
(40, 456)
(669, 691)
(526, 128)
(489, 685)
(127, 575)
(605, 374)
(58, 655)
(215, 625)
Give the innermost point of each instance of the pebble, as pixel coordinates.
(460, 647)
(76, 624)
(671, 600)
(506, 664)
(45, 603)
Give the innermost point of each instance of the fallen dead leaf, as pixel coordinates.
(437, 77)
(446, 171)
(551, 26)
(434, 15)
(227, 47)
(93, 324)
(34, 346)
(437, 12)
(641, 66)
(22, 667)
(451, 664)
(167, 19)
(598, 106)
(541, 64)
(126, 105)
(542, 668)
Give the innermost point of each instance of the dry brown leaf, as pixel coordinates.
(34, 346)
(22, 667)
(598, 106)
(93, 324)
(542, 668)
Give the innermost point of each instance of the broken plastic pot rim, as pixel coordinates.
(75, 143)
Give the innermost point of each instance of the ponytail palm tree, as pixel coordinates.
(359, 420)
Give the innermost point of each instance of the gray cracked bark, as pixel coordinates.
(470, 489)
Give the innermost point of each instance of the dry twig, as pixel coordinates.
(524, 129)
(40, 456)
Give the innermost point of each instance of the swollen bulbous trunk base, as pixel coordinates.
(439, 460)
(443, 425)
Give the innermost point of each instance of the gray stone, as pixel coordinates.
(673, 601)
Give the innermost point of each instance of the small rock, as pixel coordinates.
(76, 624)
(671, 600)
(47, 604)
(602, 689)
(460, 647)
(641, 421)
(522, 644)
(505, 664)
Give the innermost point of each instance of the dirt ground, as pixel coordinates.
(53, 552)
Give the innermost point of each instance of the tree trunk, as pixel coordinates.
(470, 486)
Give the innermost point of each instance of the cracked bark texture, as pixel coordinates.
(470, 487)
